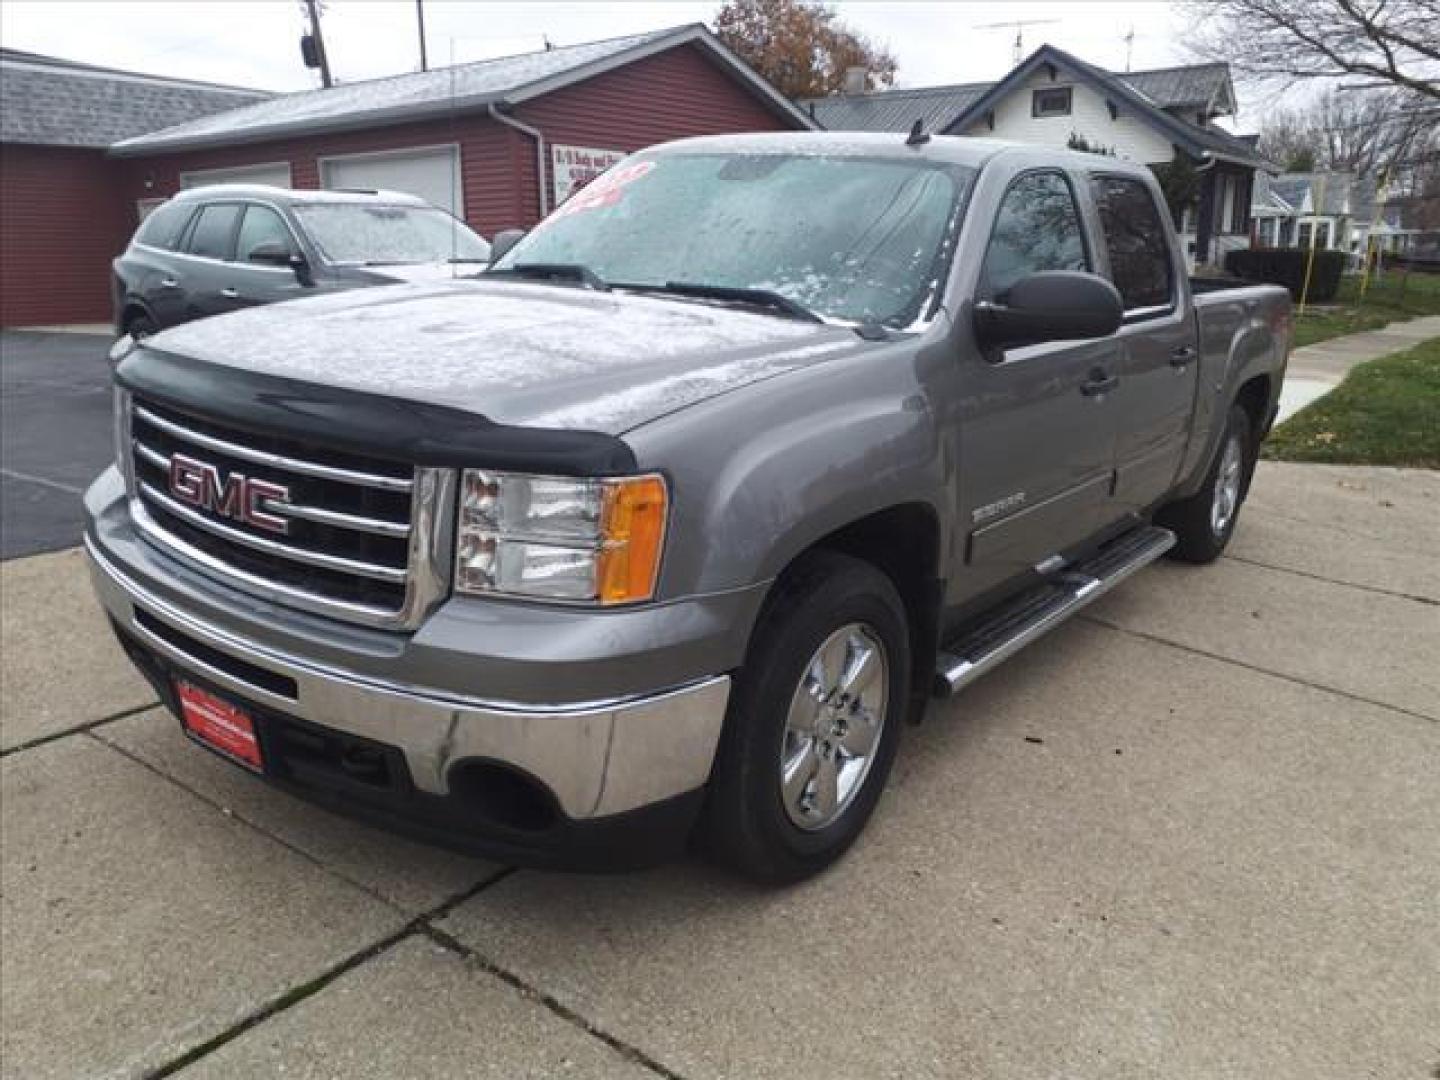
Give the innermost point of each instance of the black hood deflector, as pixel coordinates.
(412, 432)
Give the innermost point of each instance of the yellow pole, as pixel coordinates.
(1381, 193)
(1317, 206)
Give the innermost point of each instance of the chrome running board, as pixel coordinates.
(1008, 629)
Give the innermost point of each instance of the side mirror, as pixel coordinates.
(503, 241)
(1053, 305)
(274, 253)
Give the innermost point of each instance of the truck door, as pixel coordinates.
(1037, 437)
(1158, 361)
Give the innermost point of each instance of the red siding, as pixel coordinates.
(487, 153)
(672, 95)
(61, 222)
(68, 212)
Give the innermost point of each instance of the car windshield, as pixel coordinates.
(369, 234)
(853, 239)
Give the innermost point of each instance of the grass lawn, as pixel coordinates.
(1386, 412)
(1390, 298)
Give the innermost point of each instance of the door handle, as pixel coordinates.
(230, 294)
(1182, 356)
(1098, 383)
(169, 283)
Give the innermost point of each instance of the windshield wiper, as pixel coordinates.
(736, 294)
(465, 259)
(572, 272)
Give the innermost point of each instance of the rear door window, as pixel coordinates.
(213, 234)
(163, 225)
(262, 227)
(1140, 265)
(1037, 228)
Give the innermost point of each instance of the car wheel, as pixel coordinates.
(813, 723)
(1204, 523)
(140, 327)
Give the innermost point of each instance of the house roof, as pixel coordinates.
(1200, 141)
(895, 110)
(508, 80)
(1193, 84)
(1327, 192)
(938, 106)
(52, 102)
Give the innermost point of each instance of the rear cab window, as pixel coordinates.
(1037, 228)
(213, 234)
(1140, 264)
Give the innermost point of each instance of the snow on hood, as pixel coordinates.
(517, 353)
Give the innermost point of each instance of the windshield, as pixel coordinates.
(365, 233)
(854, 239)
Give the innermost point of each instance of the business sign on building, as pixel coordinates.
(575, 166)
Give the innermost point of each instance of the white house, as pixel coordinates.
(1056, 99)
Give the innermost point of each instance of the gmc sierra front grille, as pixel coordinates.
(334, 532)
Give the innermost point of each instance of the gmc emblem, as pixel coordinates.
(237, 496)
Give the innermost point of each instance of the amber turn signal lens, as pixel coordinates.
(632, 530)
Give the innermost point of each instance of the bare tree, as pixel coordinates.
(1392, 42)
(1362, 131)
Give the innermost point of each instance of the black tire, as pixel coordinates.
(1193, 521)
(140, 326)
(746, 826)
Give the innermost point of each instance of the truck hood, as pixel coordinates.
(516, 353)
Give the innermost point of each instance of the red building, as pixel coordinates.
(62, 216)
(497, 142)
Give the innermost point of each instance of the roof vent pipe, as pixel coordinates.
(857, 79)
(540, 153)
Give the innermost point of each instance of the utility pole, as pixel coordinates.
(312, 46)
(420, 18)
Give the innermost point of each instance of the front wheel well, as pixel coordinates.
(903, 543)
(1254, 398)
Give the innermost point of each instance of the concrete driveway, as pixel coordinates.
(56, 434)
(1194, 834)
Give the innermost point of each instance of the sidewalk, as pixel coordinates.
(1317, 369)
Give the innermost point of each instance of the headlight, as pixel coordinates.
(558, 538)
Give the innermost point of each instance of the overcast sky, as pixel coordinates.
(255, 42)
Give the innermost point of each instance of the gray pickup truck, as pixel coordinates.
(657, 533)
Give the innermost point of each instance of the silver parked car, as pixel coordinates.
(215, 249)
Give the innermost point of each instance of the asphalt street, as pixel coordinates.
(55, 435)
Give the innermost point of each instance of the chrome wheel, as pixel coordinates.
(1227, 486)
(833, 728)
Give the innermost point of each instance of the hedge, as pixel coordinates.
(1286, 266)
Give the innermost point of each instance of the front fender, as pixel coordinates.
(761, 474)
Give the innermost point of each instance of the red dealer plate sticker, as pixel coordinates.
(219, 724)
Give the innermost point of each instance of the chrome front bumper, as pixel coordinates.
(598, 758)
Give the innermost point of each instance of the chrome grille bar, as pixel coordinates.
(317, 514)
(367, 545)
(278, 461)
(388, 574)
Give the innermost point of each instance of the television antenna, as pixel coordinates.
(1018, 25)
(1129, 39)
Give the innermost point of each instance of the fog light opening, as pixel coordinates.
(503, 795)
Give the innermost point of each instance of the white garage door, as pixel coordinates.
(432, 173)
(274, 173)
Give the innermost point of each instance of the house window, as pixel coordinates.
(1287, 233)
(1322, 234)
(1304, 234)
(1051, 101)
